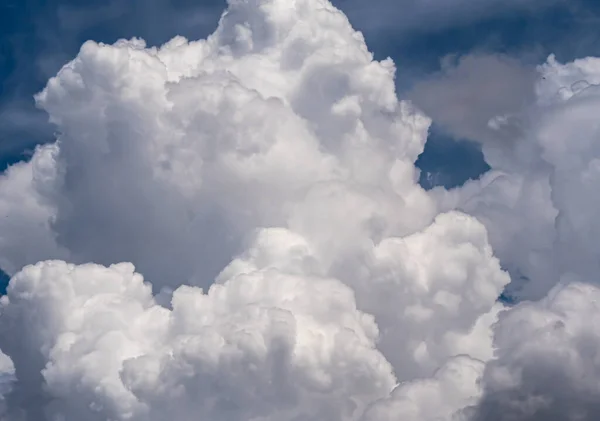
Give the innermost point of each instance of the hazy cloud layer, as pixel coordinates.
(472, 90)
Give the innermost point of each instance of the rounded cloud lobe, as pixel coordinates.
(553, 375)
(263, 182)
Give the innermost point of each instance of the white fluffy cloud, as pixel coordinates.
(266, 344)
(263, 182)
(277, 140)
(169, 157)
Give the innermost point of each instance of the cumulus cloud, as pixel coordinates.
(268, 344)
(232, 229)
(268, 122)
(270, 165)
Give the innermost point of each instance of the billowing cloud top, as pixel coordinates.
(263, 182)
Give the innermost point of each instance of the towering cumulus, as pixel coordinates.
(231, 229)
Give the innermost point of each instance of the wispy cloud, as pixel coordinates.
(471, 90)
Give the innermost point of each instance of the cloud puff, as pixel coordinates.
(553, 374)
(452, 388)
(95, 345)
(472, 90)
(432, 293)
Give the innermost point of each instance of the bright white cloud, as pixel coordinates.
(265, 344)
(263, 182)
(269, 120)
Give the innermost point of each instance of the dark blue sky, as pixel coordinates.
(37, 37)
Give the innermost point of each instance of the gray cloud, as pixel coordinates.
(469, 91)
(547, 366)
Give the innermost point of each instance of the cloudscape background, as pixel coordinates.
(300, 210)
(38, 37)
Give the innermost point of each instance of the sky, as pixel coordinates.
(232, 210)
